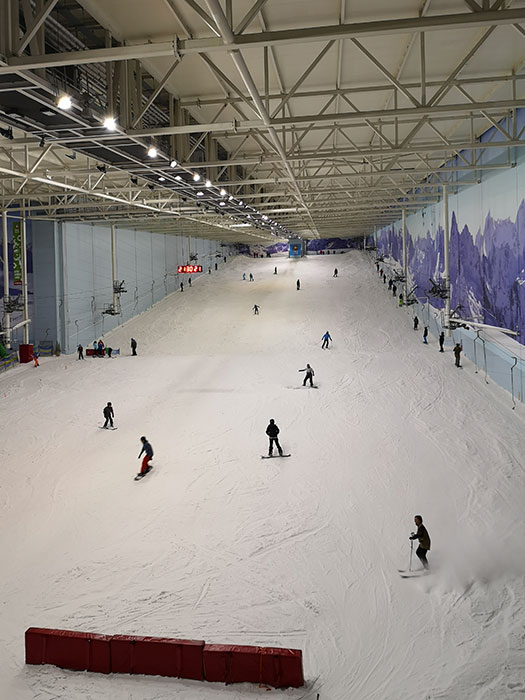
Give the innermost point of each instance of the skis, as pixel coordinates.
(103, 427)
(272, 456)
(405, 573)
(141, 476)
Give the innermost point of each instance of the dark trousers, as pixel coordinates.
(441, 346)
(325, 344)
(422, 554)
(80, 354)
(457, 361)
(276, 442)
(109, 420)
(133, 351)
(308, 377)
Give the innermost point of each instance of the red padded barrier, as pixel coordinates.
(217, 659)
(286, 668)
(122, 653)
(77, 651)
(156, 656)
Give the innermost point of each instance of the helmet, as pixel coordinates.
(143, 438)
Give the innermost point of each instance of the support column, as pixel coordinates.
(25, 298)
(404, 260)
(114, 265)
(5, 255)
(446, 246)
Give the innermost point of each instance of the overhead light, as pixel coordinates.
(152, 152)
(223, 192)
(64, 102)
(162, 178)
(265, 217)
(200, 194)
(110, 123)
(241, 203)
(178, 177)
(230, 198)
(208, 183)
(173, 163)
(240, 225)
(196, 177)
(222, 204)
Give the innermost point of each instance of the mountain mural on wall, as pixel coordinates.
(312, 246)
(487, 270)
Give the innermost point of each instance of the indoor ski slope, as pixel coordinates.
(217, 544)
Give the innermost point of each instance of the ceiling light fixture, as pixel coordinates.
(152, 152)
(222, 204)
(162, 178)
(173, 163)
(64, 102)
(223, 192)
(110, 123)
(196, 177)
(178, 177)
(200, 194)
(208, 183)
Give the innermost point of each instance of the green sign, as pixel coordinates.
(17, 252)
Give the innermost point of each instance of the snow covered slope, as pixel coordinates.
(218, 544)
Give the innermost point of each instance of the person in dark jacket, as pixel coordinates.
(424, 540)
(394, 290)
(425, 335)
(309, 375)
(108, 414)
(80, 351)
(133, 346)
(148, 449)
(457, 353)
(273, 431)
(416, 323)
(182, 286)
(100, 348)
(335, 273)
(256, 309)
(441, 341)
(298, 285)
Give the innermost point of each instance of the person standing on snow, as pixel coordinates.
(425, 335)
(273, 431)
(274, 270)
(133, 346)
(424, 540)
(309, 375)
(457, 353)
(255, 310)
(35, 358)
(244, 276)
(335, 273)
(326, 337)
(148, 449)
(189, 281)
(441, 341)
(182, 286)
(251, 277)
(416, 323)
(108, 414)
(80, 351)
(298, 285)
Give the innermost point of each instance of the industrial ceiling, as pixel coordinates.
(263, 119)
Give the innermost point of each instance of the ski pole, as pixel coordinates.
(411, 552)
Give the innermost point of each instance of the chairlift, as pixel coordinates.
(438, 289)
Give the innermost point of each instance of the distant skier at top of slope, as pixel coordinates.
(326, 338)
(309, 375)
(424, 540)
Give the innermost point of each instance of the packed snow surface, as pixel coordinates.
(217, 544)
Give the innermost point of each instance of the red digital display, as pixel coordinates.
(189, 268)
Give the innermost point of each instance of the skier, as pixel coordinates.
(244, 276)
(189, 281)
(425, 335)
(209, 270)
(108, 415)
(274, 270)
(251, 277)
(273, 431)
(441, 341)
(298, 284)
(255, 310)
(326, 337)
(35, 359)
(335, 273)
(309, 375)
(416, 323)
(424, 540)
(400, 302)
(133, 346)
(389, 284)
(394, 290)
(182, 286)
(216, 268)
(148, 449)
(80, 351)
(457, 353)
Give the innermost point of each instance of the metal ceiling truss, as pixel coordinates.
(365, 167)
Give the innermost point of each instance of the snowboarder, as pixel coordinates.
(424, 540)
(425, 335)
(309, 375)
(298, 284)
(251, 277)
(148, 449)
(274, 270)
(457, 353)
(182, 286)
(256, 310)
(80, 351)
(133, 346)
(326, 337)
(35, 359)
(441, 341)
(108, 415)
(335, 273)
(273, 431)
(416, 323)
(244, 276)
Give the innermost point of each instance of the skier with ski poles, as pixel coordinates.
(309, 375)
(423, 538)
(326, 337)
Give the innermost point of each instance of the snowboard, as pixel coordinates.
(110, 428)
(141, 476)
(272, 456)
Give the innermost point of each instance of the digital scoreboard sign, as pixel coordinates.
(189, 268)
